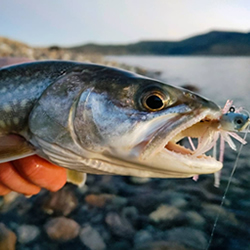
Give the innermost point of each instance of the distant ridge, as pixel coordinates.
(212, 43)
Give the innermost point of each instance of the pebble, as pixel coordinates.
(62, 202)
(102, 200)
(10, 200)
(162, 245)
(164, 213)
(178, 202)
(119, 201)
(27, 233)
(212, 210)
(119, 226)
(146, 202)
(7, 238)
(130, 213)
(91, 238)
(189, 237)
(141, 237)
(62, 229)
(98, 200)
(195, 218)
(139, 180)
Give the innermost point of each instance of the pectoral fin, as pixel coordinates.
(75, 177)
(14, 147)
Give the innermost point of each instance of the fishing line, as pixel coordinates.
(225, 192)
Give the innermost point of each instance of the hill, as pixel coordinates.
(212, 43)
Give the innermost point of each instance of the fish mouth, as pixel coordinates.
(188, 160)
(194, 129)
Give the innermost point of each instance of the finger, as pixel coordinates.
(10, 178)
(4, 190)
(41, 172)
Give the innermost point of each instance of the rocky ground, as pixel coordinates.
(120, 213)
(11, 48)
(123, 213)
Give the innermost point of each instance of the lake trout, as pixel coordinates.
(101, 120)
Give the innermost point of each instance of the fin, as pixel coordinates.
(13, 147)
(75, 177)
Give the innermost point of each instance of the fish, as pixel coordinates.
(95, 119)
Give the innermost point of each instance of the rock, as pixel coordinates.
(162, 245)
(164, 213)
(212, 210)
(9, 200)
(121, 245)
(146, 202)
(130, 213)
(62, 202)
(103, 200)
(91, 238)
(27, 233)
(195, 218)
(119, 201)
(62, 229)
(83, 189)
(188, 237)
(141, 237)
(98, 200)
(119, 226)
(7, 238)
(178, 202)
(139, 180)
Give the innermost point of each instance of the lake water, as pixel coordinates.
(219, 78)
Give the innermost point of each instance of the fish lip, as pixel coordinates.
(206, 113)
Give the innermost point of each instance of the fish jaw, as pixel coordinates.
(151, 156)
(177, 160)
(101, 130)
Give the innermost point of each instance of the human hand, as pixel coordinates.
(30, 174)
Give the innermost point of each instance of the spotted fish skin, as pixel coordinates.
(21, 86)
(101, 120)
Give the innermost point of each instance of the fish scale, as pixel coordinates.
(20, 89)
(95, 119)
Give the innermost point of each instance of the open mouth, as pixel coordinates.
(194, 138)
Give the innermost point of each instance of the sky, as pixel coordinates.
(75, 22)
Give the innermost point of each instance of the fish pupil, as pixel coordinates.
(232, 109)
(239, 121)
(154, 102)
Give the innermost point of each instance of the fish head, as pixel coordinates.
(130, 125)
(234, 121)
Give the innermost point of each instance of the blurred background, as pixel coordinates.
(203, 45)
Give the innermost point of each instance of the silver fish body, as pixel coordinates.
(96, 119)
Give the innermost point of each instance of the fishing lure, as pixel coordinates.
(231, 121)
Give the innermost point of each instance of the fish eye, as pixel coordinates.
(232, 109)
(153, 101)
(238, 120)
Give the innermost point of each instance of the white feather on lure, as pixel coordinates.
(231, 121)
